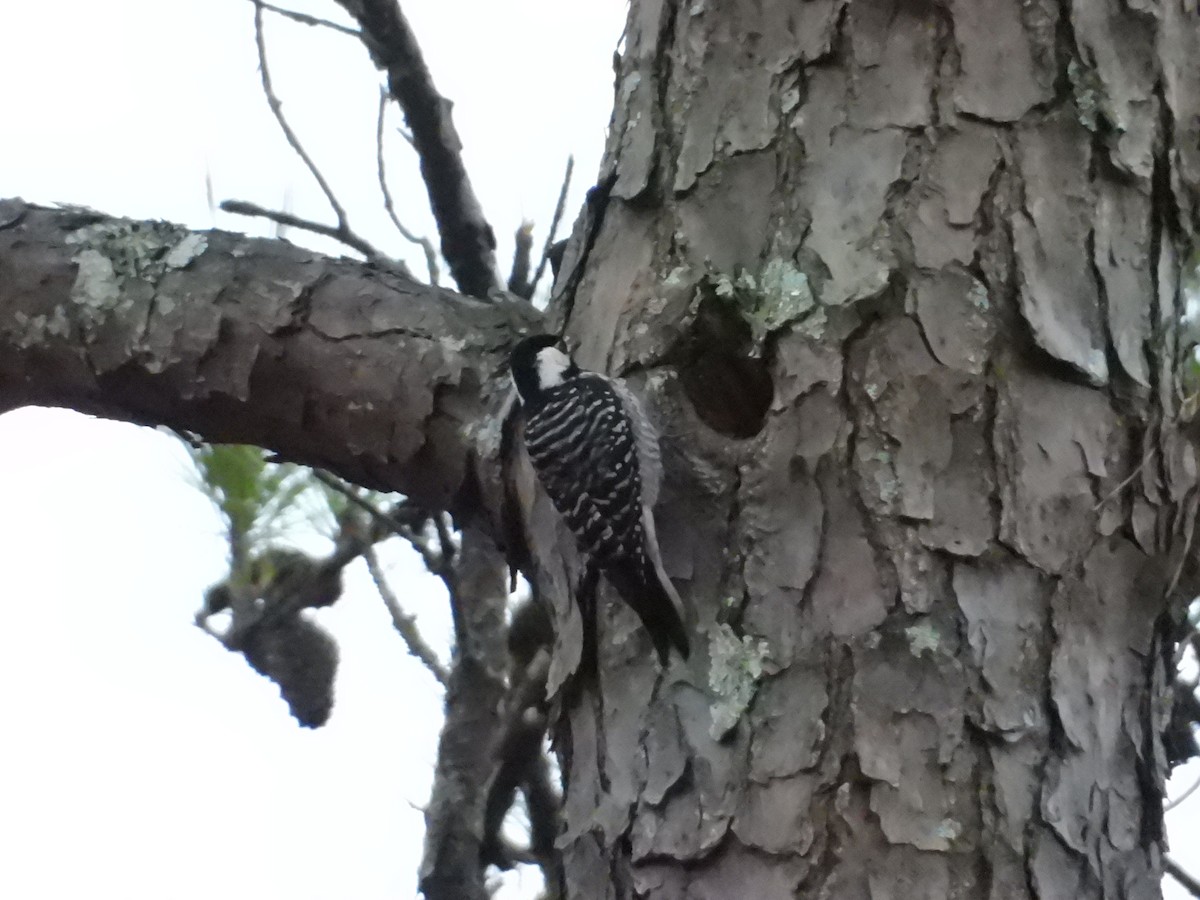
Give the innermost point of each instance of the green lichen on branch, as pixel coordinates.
(736, 668)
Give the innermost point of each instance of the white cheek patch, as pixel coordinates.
(551, 363)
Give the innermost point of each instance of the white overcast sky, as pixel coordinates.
(139, 760)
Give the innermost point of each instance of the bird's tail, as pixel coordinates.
(651, 595)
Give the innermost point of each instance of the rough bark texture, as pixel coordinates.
(902, 281)
(327, 361)
(948, 239)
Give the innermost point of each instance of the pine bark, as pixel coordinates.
(329, 362)
(902, 281)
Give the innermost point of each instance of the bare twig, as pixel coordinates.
(406, 520)
(343, 231)
(441, 522)
(306, 19)
(423, 243)
(439, 561)
(1189, 882)
(208, 190)
(433, 559)
(468, 243)
(405, 623)
(277, 110)
(518, 279)
(559, 207)
(1189, 508)
(1167, 807)
(526, 856)
(1126, 481)
(281, 229)
(347, 237)
(392, 523)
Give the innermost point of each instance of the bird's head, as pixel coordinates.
(539, 363)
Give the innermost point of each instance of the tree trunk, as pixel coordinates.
(902, 281)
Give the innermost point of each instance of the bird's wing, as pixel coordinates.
(646, 437)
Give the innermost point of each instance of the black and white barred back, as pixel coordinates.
(596, 454)
(584, 449)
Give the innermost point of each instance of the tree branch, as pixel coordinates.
(518, 748)
(342, 232)
(518, 279)
(305, 19)
(389, 523)
(338, 233)
(559, 208)
(1189, 882)
(406, 624)
(327, 362)
(468, 243)
(451, 868)
(277, 111)
(430, 254)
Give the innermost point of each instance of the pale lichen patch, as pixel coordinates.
(36, 329)
(948, 830)
(113, 255)
(734, 672)
(96, 284)
(923, 638)
(120, 266)
(781, 295)
(141, 250)
(813, 325)
(185, 251)
(978, 295)
(1089, 94)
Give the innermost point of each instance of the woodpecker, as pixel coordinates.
(596, 454)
